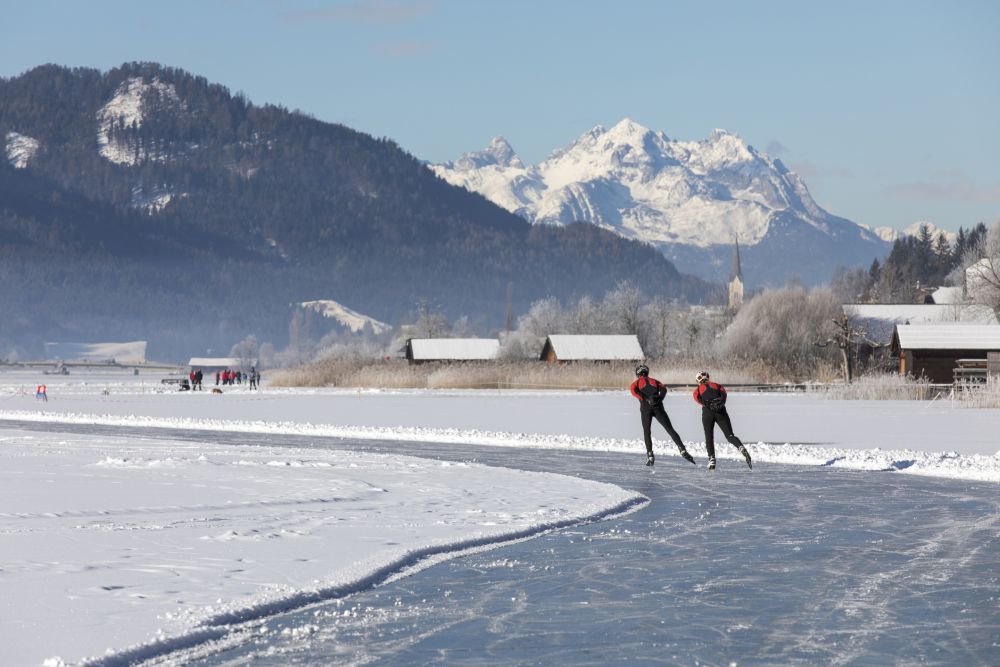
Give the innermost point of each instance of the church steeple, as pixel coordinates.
(736, 278)
(736, 271)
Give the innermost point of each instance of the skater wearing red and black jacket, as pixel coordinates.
(712, 399)
(650, 393)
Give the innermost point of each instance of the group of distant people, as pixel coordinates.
(709, 395)
(226, 377)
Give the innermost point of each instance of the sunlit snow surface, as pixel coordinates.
(785, 564)
(110, 541)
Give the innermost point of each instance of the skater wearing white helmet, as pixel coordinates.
(711, 397)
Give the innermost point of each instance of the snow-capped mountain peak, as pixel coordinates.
(891, 234)
(504, 154)
(499, 153)
(669, 193)
(723, 149)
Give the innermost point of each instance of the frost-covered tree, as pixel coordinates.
(543, 318)
(247, 351)
(780, 327)
(982, 272)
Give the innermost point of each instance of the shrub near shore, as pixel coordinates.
(398, 374)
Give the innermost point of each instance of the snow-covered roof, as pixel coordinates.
(454, 349)
(947, 295)
(879, 319)
(983, 271)
(122, 353)
(600, 348)
(219, 362)
(922, 313)
(948, 337)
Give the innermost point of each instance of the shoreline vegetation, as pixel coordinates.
(582, 376)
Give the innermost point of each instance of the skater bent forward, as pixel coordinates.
(712, 399)
(650, 393)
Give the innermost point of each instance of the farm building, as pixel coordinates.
(948, 295)
(212, 364)
(880, 320)
(419, 350)
(937, 350)
(559, 347)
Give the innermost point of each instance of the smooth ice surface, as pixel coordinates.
(785, 565)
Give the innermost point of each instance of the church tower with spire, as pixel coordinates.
(736, 279)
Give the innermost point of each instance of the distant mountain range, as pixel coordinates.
(691, 200)
(145, 203)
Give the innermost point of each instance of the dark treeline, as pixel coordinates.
(914, 263)
(267, 207)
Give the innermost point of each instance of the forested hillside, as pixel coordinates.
(146, 203)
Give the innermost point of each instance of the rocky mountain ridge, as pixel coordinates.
(689, 199)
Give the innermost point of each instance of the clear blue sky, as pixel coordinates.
(889, 110)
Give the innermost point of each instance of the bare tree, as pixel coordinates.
(848, 337)
(430, 323)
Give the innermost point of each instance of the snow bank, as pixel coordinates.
(139, 546)
(950, 464)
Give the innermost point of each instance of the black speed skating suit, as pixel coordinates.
(650, 393)
(712, 399)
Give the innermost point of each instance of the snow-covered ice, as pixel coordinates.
(113, 541)
(939, 438)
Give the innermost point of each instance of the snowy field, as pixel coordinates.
(112, 542)
(938, 438)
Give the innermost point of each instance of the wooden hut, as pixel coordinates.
(565, 348)
(935, 350)
(420, 350)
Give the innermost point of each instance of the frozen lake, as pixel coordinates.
(782, 565)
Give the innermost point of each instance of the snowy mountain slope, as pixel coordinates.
(350, 319)
(126, 109)
(690, 199)
(20, 149)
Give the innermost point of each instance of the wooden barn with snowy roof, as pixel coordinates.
(940, 352)
(880, 320)
(420, 350)
(566, 348)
